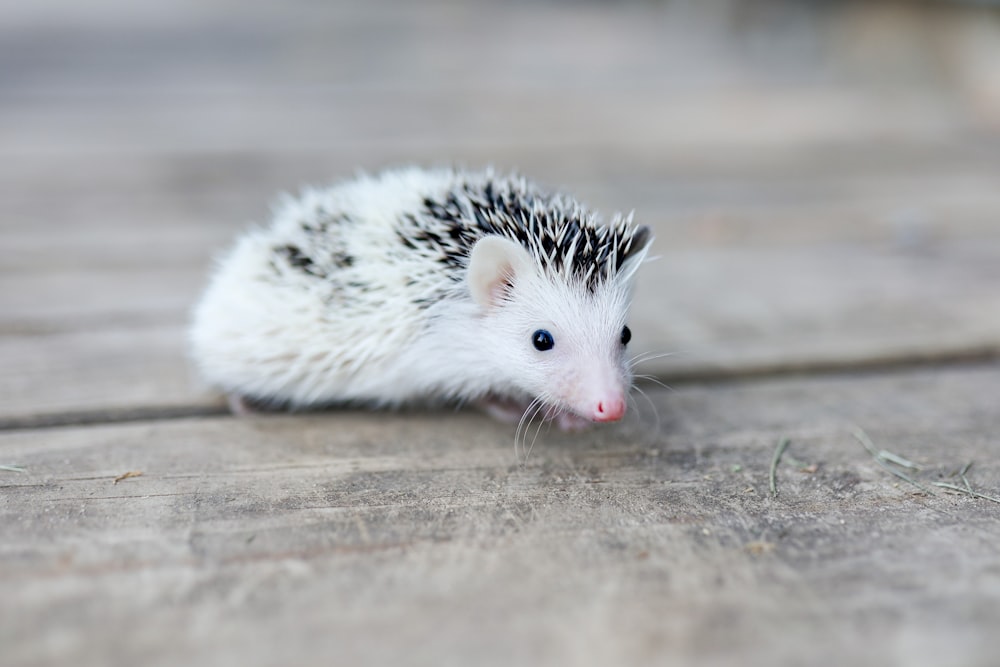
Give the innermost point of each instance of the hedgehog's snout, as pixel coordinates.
(600, 401)
(609, 409)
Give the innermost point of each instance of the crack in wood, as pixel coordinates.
(908, 360)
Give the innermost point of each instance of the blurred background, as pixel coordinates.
(822, 176)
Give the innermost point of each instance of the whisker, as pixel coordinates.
(650, 378)
(633, 406)
(541, 410)
(535, 409)
(525, 421)
(649, 353)
(547, 418)
(656, 413)
(643, 357)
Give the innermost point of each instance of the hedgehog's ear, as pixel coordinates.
(496, 263)
(641, 241)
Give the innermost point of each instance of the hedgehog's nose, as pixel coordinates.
(609, 410)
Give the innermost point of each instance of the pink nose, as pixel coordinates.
(609, 410)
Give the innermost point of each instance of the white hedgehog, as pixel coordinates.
(427, 286)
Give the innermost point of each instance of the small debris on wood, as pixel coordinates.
(759, 547)
(897, 459)
(883, 461)
(969, 492)
(965, 479)
(883, 458)
(778, 451)
(802, 466)
(127, 475)
(10, 468)
(792, 461)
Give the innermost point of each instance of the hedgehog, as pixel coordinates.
(426, 287)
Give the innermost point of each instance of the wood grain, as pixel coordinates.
(419, 538)
(822, 183)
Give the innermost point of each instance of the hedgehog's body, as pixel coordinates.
(425, 286)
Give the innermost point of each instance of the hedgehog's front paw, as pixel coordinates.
(507, 410)
(241, 406)
(570, 422)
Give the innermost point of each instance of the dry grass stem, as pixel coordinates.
(778, 451)
(869, 446)
(897, 459)
(969, 492)
(965, 480)
(127, 475)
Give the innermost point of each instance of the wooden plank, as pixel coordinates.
(418, 538)
(804, 220)
(416, 121)
(109, 331)
(111, 369)
(118, 185)
(755, 309)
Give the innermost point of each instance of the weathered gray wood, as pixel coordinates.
(110, 368)
(840, 230)
(799, 225)
(823, 185)
(116, 339)
(352, 538)
(104, 305)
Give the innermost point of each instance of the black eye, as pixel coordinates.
(626, 335)
(542, 340)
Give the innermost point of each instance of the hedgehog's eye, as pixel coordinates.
(542, 340)
(626, 335)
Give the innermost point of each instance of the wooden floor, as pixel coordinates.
(824, 183)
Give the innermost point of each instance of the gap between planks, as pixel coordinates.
(881, 363)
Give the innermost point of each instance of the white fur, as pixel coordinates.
(290, 338)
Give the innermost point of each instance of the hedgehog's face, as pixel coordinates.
(573, 344)
(559, 342)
